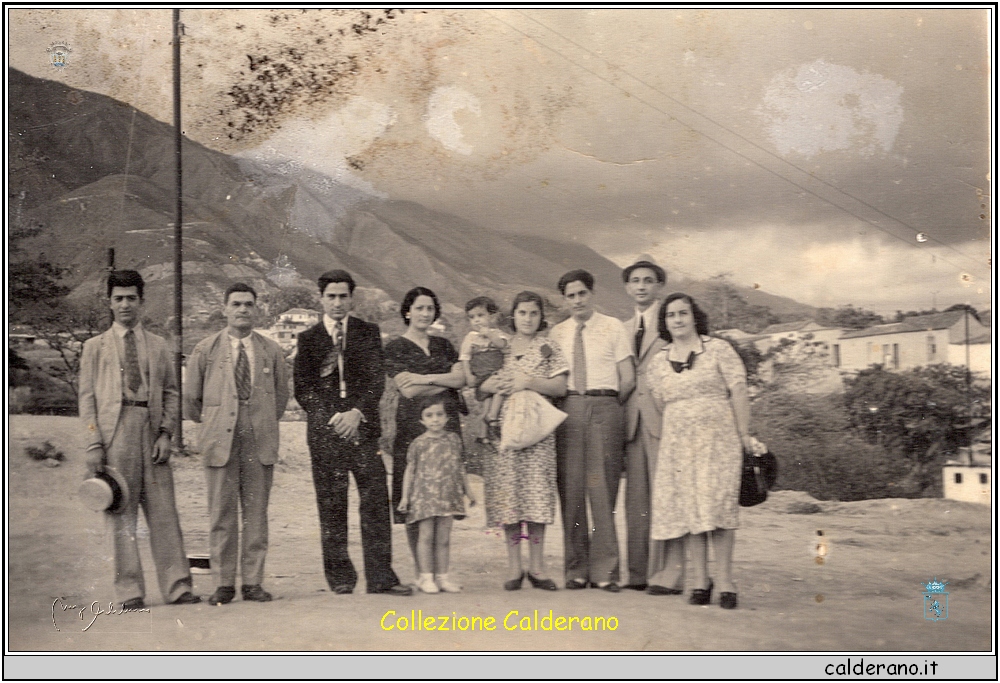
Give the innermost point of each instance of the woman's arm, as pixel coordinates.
(412, 385)
(549, 386)
(740, 400)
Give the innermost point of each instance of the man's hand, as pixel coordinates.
(95, 461)
(161, 449)
(346, 424)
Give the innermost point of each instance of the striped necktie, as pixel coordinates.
(133, 376)
(243, 374)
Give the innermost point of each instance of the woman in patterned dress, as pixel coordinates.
(420, 365)
(700, 383)
(520, 484)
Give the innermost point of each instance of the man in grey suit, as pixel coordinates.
(129, 409)
(237, 388)
(647, 560)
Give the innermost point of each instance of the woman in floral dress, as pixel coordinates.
(700, 383)
(520, 484)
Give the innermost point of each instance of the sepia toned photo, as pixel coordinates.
(503, 330)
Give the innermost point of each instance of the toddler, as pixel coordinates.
(482, 355)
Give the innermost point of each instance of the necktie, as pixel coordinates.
(579, 361)
(330, 363)
(243, 374)
(640, 333)
(133, 376)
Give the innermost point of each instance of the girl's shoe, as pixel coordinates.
(426, 584)
(514, 584)
(544, 584)
(701, 596)
(727, 600)
(446, 585)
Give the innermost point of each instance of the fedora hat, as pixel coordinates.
(106, 491)
(645, 261)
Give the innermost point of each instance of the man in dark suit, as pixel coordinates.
(339, 377)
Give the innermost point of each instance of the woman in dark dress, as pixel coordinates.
(420, 365)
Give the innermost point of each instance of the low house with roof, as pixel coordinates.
(979, 349)
(968, 477)
(290, 324)
(913, 342)
(808, 330)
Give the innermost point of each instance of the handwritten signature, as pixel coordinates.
(91, 611)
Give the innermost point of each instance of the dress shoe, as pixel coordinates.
(343, 589)
(134, 604)
(514, 584)
(187, 598)
(727, 600)
(255, 593)
(636, 586)
(701, 596)
(398, 590)
(653, 589)
(610, 587)
(223, 595)
(576, 584)
(544, 584)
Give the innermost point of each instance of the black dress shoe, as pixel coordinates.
(134, 604)
(398, 590)
(544, 584)
(609, 587)
(187, 598)
(636, 586)
(576, 584)
(343, 589)
(255, 593)
(223, 595)
(727, 600)
(653, 589)
(514, 584)
(701, 596)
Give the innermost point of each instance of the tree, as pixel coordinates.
(848, 317)
(922, 415)
(65, 327)
(33, 281)
(727, 308)
(282, 300)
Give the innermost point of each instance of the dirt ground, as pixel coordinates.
(866, 594)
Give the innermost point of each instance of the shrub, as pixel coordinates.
(818, 453)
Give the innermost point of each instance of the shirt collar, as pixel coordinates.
(329, 322)
(648, 316)
(121, 330)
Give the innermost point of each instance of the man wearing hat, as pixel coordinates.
(644, 282)
(237, 388)
(129, 407)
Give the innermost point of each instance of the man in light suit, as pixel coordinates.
(237, 388)
(339, 376)
(129, 408)
(644, 282)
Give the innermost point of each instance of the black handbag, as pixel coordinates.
(759, 475)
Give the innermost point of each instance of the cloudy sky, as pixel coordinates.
(835, 156)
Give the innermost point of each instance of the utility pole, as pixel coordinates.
(178, 227)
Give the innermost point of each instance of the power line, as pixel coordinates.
(726, 130)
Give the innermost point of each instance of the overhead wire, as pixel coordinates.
(730, 147)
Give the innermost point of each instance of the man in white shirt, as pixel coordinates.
(237, 388)
(590, 443)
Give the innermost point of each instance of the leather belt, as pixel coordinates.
(593, 392)
(137, 404)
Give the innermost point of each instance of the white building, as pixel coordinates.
(969, 477)
(290, 324)
(802, 330)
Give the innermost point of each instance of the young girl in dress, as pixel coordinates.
(434, 486)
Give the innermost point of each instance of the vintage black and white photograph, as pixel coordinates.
(501, 329)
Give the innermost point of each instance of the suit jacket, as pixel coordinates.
(363, 374)
(101, 380)
(210, 396)
(640, 401)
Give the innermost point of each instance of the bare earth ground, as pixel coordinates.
(866, 595)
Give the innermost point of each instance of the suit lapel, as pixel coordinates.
(651, 334)
(114, 368)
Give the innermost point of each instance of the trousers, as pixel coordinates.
(645, 557)
(152, 488)
(589, 458)
(243, 483)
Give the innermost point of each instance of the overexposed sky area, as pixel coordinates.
(830, 155)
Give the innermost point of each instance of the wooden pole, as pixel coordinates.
(178, 226)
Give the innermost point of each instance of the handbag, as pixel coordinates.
(759, 474)
(528, 418)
